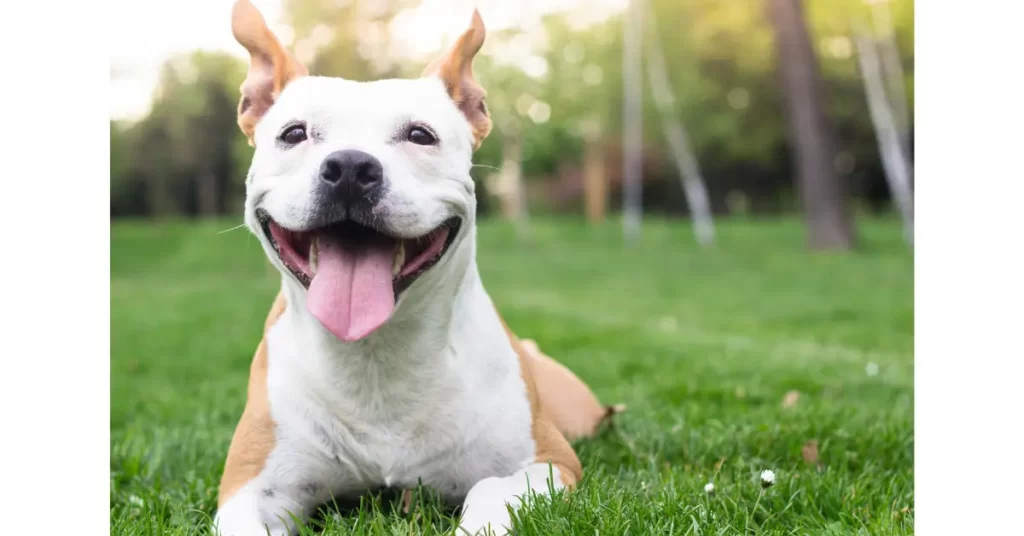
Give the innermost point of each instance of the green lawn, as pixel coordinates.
(703, 346)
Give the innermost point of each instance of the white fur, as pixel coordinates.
(485, 508)
(436, 394)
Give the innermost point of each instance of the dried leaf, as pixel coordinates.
(790, 399)
(406, 501)
(810, 452)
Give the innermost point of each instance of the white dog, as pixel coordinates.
(384, 362)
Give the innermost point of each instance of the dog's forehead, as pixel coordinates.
(337, 99)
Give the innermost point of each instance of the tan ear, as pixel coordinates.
(455, 69)
(271, 67)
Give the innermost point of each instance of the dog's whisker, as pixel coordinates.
(235, 228)
(488, 167)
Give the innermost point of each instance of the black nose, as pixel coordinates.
(352, 176)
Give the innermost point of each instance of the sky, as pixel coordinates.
(160, 30)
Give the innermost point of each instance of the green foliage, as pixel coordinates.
(720, 61)
(700, 346)
(348, 39)
(187, 155)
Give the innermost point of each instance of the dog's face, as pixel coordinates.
(359, 189)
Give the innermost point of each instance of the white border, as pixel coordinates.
(54, 386)
(55, 376)
(969, 270)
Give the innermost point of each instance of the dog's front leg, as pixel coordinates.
(556, 467)
(255, 498)
(485, 511)
(259, 510)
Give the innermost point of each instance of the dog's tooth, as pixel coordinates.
(313, 257)
(396, 268)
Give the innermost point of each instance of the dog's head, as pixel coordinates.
(360, 191)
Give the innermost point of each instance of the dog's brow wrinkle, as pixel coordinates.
(259, 199)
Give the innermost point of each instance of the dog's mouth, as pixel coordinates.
(355, 273)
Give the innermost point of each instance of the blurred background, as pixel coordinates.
(670, 108)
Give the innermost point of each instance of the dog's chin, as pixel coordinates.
(355, 273)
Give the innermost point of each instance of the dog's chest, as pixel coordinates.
(365, 423)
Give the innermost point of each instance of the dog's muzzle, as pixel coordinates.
(354, 273)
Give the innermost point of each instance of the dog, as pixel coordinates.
(384, 362)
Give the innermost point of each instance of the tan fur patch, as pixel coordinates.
(271, 67)
(567, 401)
(254, 435)
(276, 310)
(552, 446)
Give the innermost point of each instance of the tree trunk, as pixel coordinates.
(595, 183)
(811, 134)
(209, 199)
(894, 160)
(679, 141)
(160, 200)
(510, 179)
(632, 123)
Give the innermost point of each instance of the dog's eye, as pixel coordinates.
(294, 135)
(421, 136)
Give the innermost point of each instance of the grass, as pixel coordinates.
(703, 346)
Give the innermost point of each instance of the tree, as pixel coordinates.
(346, 39)
(555, 92)
(186, 156)
(811, 133)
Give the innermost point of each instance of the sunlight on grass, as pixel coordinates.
(703, 347)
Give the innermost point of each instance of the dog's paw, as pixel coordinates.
(479, 527)
(225, 526)
(485, 511)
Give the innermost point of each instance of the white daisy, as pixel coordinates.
(767, 478)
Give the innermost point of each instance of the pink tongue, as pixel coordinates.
(351, 293)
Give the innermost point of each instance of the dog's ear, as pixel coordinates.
(271, 67)
(455, 69)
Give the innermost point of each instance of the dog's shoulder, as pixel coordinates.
(254, 436)
(276, 310)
